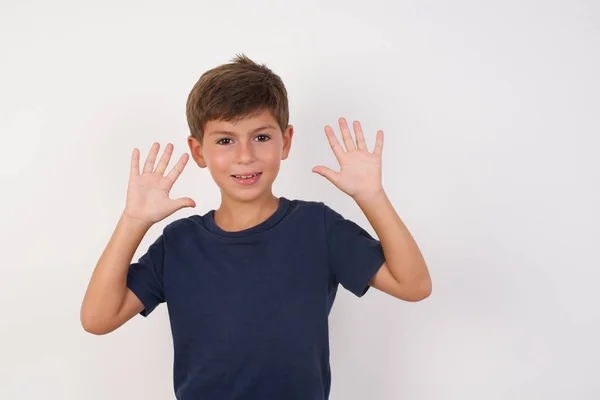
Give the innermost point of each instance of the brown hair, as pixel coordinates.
(234, 91)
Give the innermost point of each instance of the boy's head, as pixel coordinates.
(238, 117)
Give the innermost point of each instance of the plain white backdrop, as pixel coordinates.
(491, 114)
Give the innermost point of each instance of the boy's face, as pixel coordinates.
(244, 157)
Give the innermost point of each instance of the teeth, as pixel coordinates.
(246, 176)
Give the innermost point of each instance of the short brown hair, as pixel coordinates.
(234, 91)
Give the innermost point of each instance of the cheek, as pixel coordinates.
(219, 161)
(271, 155)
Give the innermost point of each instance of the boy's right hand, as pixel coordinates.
(148, 193)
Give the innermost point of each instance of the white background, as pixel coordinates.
(491, 116)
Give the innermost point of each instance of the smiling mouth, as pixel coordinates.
(247, 176)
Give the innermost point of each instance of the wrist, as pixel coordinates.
(131, 222)
(373, 196)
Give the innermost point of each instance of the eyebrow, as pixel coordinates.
(221, 132)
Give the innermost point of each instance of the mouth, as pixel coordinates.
(247, 178)
(247, 175)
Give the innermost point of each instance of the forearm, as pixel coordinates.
(403, 257)
(108, 285)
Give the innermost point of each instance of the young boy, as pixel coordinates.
(250, 285)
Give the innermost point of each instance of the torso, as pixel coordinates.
(249, 310)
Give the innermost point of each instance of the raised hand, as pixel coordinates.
(360, 170)
(148, 193)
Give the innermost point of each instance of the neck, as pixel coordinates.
(234, 215)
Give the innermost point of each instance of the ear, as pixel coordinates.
(196, 151)
(287, 141)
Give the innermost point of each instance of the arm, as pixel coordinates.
(404, 274)
(108, 302)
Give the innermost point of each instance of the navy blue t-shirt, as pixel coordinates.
(249, 309)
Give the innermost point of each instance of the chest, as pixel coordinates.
(253, 291)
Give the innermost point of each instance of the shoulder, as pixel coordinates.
(179, 225)
(314, 210)
(335, 222)
(181, 229)
(308, 208)
(306, 205)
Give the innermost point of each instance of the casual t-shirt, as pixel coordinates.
(249, 309)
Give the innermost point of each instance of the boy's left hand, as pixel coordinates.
(360, 174)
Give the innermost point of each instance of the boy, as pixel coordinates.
(249, 286)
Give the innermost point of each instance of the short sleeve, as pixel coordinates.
(354, 255)
(145, 277)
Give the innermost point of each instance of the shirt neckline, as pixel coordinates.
(271, 221)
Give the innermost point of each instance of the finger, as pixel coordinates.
(178, 204)
(178, 168)
(164, 160)
(346, 135)
(151, 158)
(135, 163)
(184, 202)
(333, 142)
(378, 149)
(328, 173)
(360, 137)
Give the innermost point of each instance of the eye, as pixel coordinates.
(224, 141)
(263, 137)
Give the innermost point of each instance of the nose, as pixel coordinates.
(245, 153)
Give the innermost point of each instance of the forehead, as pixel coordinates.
(247, 124)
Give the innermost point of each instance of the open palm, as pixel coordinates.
(148, 192)
(360, 170)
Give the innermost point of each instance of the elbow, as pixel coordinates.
(424, 294)
(420, 291)
(424, 287)
(93, 325)
(93, 328)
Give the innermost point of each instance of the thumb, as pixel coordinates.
(184, 202)
(328, 173)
